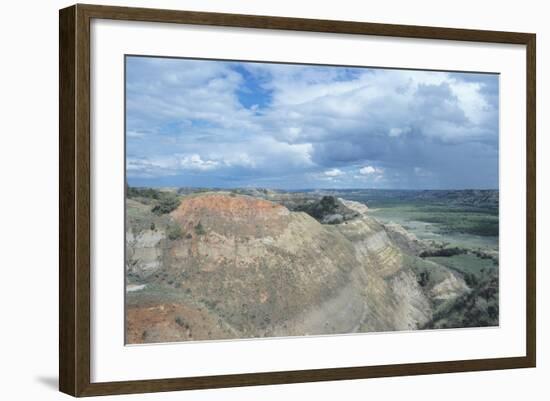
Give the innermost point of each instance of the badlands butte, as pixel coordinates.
(217, 264)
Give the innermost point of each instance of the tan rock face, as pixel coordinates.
(393, 298)
(226, 214)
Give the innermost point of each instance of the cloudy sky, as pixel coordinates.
(240, 124)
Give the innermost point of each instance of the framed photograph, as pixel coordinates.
(250, 200)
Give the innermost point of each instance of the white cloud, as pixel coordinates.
(195, 162)
(475, 106)
(369, 170)
(294, 132)
(145, 168)
(168, 166)
(334, 172)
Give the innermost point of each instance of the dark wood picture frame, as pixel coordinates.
(74, 199)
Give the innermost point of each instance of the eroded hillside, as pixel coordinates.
(223, 265)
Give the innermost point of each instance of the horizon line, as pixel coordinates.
(313, 189)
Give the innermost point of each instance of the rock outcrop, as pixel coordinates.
(244, 267)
